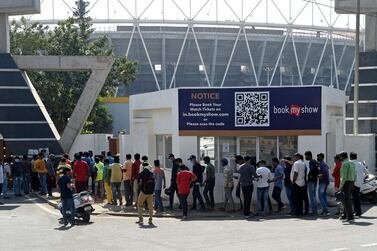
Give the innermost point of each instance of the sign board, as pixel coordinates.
(349, 6)
(260, 111)
(32, 152)
(20, 7)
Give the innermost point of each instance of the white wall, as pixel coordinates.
(364, 146)
(95, 142)
(125, 146)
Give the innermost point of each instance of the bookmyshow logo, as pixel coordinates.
(296, 110)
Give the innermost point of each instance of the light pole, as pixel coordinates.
(357, 77)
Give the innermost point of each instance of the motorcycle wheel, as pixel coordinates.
(86, 218)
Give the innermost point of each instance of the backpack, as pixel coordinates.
(148, 185)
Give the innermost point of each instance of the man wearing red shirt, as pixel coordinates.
(184, 179)
(336, 173)
(135, 176)
(81, 173)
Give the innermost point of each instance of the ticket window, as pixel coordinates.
(207, 147)
(287, 146)
(163, 148)
(248, 146)
(268, 149)
(227, 150)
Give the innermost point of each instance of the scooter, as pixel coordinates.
(83, 205)
(368, 190)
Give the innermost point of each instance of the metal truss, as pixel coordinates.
(240, 14)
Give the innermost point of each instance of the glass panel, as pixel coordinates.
(287, 146)
(160, 148)
(168, 150)
(248, 146)
(267, 146)
(207, 148)
(228, 148)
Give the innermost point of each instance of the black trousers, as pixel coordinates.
(34, 181)
(128, 192)
(173, 189)
(183, 201)
(298, 194)
(247, 196)
(347, 203)
(197, 196)
(356, 200)
(276, 195)
(306, 200)
(208, 190)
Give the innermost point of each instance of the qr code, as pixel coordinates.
(252, 109)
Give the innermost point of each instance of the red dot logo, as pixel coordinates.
(295, 110)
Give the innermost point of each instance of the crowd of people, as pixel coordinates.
(143, 185)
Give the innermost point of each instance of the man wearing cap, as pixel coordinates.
(347, 182)
(198, 170)
(173, 181)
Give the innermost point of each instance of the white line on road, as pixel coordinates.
(339, 249)
(43, 207)
(368, 245)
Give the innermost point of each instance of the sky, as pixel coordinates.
(302, 12)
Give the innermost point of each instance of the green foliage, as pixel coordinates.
(60, 91)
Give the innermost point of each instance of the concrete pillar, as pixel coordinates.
(370, 32)
(4, 33)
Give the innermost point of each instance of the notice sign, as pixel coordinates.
(267, 111)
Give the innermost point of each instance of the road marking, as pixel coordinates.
(339, 249)
(368, 245)
(43, 207)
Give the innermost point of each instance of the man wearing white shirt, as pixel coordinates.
(361, 172)
(263, 185)
(298, 183)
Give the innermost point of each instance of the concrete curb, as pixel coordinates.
(55, 205)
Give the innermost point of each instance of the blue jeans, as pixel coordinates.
(26, 183)
(322, 188)
(158, 201)
(17, 182)
(288, 191)
(5, 186)
(68, 204)
(312, 187)
(43, 182)
(263, 192)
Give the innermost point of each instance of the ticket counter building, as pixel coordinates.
(264, 122)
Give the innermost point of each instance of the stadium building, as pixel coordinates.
(223, 44)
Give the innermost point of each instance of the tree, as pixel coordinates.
(60, 91)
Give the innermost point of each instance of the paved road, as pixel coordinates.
(30, 224)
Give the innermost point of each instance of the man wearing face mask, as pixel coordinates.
(198, 170)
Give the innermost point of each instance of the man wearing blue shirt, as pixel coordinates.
(65, 186)
(278, 182)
